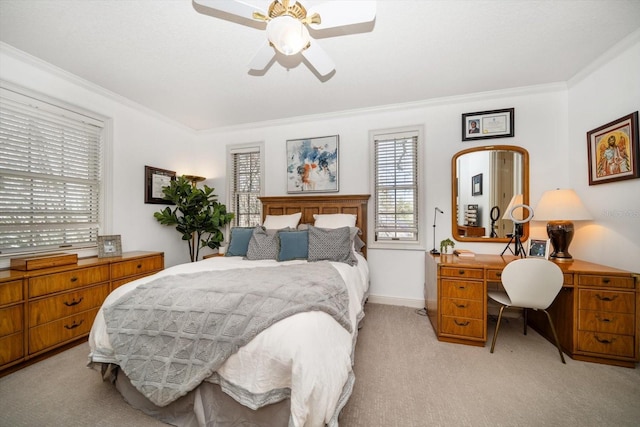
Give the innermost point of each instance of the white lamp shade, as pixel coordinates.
(561, 205)
(287, 34)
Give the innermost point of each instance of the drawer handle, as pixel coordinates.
(74, 324)
(74, 302)
(74, 279)
(462, 323)
(461, 305)
(607, 299)
(604, 319)
(461, 272)
(606, 280)
(463, 287)
(139, 266)
(604, 341)
(499, 274)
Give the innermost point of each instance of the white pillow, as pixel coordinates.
(334, 220)
(277, 222)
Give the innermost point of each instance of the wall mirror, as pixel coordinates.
(486, 183)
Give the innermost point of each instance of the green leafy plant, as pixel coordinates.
(445, 244)
(197, 215)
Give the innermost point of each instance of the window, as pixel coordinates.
(245, 184)
(50, 174)
(396, 181)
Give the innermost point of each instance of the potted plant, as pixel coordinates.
(197, 215)
(445, 244)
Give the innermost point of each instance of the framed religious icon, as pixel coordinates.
(154, 180)
(613, 151)
(488, 124)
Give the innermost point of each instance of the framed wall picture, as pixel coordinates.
(613, 151)
(109, 246)
(538, 248)
(154, 180)
(488, 124)
(476, 185)
(312, 165)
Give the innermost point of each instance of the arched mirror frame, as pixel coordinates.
(454, 192)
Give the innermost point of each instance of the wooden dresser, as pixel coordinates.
(42, 310)
(596, 314)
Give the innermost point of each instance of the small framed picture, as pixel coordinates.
(154, 180)
(109, 246)
(538, 248)
(614, 151)
(488, 124)
(476, 185)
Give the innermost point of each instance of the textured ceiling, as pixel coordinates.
(192, 67)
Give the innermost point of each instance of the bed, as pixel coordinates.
(290, 363)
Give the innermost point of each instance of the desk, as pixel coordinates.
(596, 314)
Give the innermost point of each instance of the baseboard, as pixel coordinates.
(405, 302)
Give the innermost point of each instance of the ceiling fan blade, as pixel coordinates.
(263, 57)
(232, 7)
(339, 13)
(318, 59)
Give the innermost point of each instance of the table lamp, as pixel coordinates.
(559, 208)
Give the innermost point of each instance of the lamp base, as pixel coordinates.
(560, 233)
(434, 251)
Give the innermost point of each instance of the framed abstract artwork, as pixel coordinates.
(488, 124)
(613, 151)
(312, 165)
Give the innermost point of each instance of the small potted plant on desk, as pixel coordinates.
(445, 245)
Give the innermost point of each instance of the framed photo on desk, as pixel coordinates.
(538, 248)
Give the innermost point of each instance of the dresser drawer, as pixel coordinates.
(11, 292)
(601, 300)
(11, 348)
(463, 308)
(606, 281)
(57, 282)
(117, 283)
(472, 328)
(462, 289)
(608, 344)
(602, 321)
(463, 273)
(60, 331)
(63, 305)
(136, 267)
(11, 320)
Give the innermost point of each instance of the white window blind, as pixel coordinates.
(49, 175)
(396, 187)
(245, 186)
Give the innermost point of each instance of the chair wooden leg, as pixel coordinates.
(524, 314)
(555, 336)
(495, 334)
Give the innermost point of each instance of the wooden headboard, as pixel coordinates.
(309, 205)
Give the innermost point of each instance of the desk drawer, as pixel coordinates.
(57, 282)
(462, 273)
(462, 308)
(606, 281)
(63, 305)
(602, 321)
(462, 289)
(603, 343)
(611, 301)
(137, 267)
(462, 326)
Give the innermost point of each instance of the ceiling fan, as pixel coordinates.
(288, 23)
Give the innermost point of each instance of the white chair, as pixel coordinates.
(529, 283)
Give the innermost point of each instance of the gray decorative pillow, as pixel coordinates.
(331, 245)
(263, 245)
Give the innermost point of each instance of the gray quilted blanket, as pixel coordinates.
(170, 334)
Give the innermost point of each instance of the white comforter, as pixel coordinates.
(310, 353)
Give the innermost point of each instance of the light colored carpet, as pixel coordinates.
(404, 378)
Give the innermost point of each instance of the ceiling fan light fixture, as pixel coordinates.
(288, 35)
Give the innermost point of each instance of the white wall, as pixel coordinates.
(550, 122)
(606, 91)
